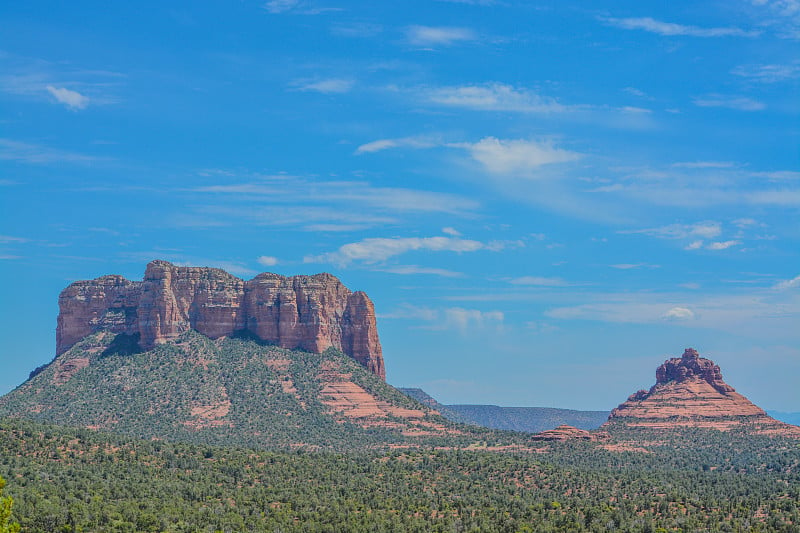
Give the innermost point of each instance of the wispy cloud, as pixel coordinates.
(738, 103)
(768, 73)
(71, 99)
(267, 260)
(722, 245)
(451, 318)
(296, 7)
(8, 239)
(42, 155)
(671, 29)
(704, 164)
(493, 97)
(378, 249)
(403, 142)
(438, 35)
(706, 230)
(515, 156)
(356, 29)
(788, 284)
(678, 313)
(783, 16)
(753, 312)
(278, 190)
(327, 86)
(406, 270)
(42, 80)
(538, 281)
(632, 266)
(282, 6)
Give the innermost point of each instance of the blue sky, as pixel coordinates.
(543, 199)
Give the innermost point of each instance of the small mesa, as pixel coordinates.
(565, 432)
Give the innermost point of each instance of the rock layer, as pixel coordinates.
(310, 313)
(690, 392)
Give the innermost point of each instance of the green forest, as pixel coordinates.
(69, 480)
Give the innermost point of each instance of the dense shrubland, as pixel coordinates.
(65, 479)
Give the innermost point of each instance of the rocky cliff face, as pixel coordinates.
(690, 392)
(311, 313)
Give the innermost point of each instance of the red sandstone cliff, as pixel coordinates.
(310, 313)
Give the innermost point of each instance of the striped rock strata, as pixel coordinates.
(690, 392)
(310, 313)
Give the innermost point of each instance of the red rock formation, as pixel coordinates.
(565, 432)
(690, 392)
(106, 303)
(176, 299)
(310, 313)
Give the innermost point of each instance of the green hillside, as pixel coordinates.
(234, 391)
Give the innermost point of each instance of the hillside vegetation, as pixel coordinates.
(69, 480)
(231, 391)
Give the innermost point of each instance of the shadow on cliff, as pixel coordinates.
(122, 345)
(246, 335)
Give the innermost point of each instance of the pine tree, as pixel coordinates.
(6, 526)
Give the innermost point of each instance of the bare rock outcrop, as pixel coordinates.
(566, 432)
(310, 313)
(690, 392)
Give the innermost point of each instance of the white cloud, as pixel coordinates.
(301, 7)
(71, 99)
(328, 86)
(738, 103)
(458, 318)
(281, 6)
(788, 284)
(34, 153)
(267, 260)
(404, 142)
(722, 245)
(467, 319)
(706, 230)
(751, 312)
(694, 245)
(539, 281)
(451, 231)
(678, 313)
(630, 266)
(6, 239)
(414, 269)
(500, 156)
(781, 15)
(356, 29)
(704, 164)
(671, 29)
(336, 194)
(787, 197)
(376, 250)
(768, 73)
(493, 97)
(438, 35)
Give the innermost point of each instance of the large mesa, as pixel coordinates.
(310, 313)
